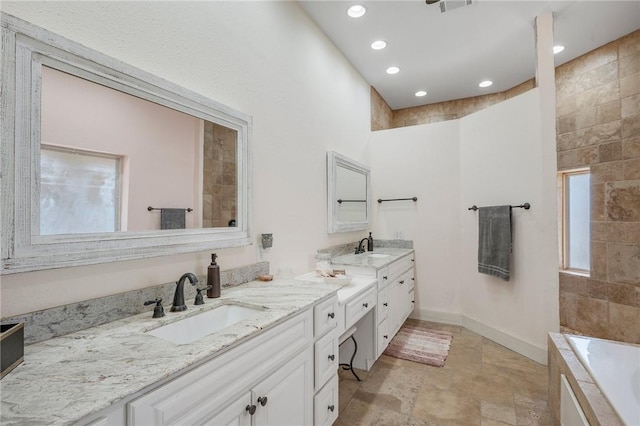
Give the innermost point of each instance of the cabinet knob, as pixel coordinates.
(384, 277)
(413, 260)
(331, 315)
(413, 279)
(402, 282)
(413, 301)
(331, 408)
(366, 305)
(262, 400)
(251, 409)
(385, 304)
(386, 336)
(332, 357)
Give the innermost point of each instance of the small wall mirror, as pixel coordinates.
(348, 194)
(102, 161)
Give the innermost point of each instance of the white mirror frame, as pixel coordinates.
(335, 160)
(25, 48)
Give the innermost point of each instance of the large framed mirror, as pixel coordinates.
(102, 161)
(348, 194)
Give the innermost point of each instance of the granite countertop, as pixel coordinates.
(67, 378)
(371, 259)
(346, 293)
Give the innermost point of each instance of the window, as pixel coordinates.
(79, 191)
(575, 220)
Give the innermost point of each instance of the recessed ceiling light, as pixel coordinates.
(421, 93)
(378, 44)
(393, 70)
(485, 83)
(557, 49)
(356, 11)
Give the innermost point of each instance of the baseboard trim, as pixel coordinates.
(437, 316)
(515, 344)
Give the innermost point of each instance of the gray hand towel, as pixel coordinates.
(494, 243)
(172, 218)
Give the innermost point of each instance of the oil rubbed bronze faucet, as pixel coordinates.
(178, 297)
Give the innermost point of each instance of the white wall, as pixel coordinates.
(266, 59)
(501, 162)
(422, 161)
(492, 157)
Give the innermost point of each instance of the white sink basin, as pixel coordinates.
(195, 327)
(379, 255)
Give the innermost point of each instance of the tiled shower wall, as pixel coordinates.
(219, 193)
(598, 125)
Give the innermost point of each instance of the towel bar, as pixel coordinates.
(189, 209)
(525, 206)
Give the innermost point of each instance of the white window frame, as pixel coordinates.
(563, 220)
(119, 160)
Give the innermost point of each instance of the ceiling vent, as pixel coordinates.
(448, 5)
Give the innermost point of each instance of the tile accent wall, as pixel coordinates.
(598, 125)
(219, 193)
(382, 117)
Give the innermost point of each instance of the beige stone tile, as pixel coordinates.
(598, 260)
(610, 151)
(623, 263)
(630, 106)
(623, 294)
(632, 233)
(629, 44)
(567, 141)
(597, 202)
(499, 356)
(586, 118)
(568, 159)
(392, 387)
(631, 148)
(630, 127)
(588, 155)
(566, 104)
(632, 169)
(446, 407)
(603, 94)
(606, 172)
(629, 65)
(483, 386)
(362, 413)
(610, 111)
(592, 316)
(622, 200)
(532, 412)
(630, 85)
(502, 414)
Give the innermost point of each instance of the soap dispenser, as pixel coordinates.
(370, 242)
(213, 278)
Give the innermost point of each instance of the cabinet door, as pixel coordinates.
(236, 414)
(286, 397)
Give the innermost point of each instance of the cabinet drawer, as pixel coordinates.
(400, 265)
(383, 337)
(326, 359)
(383, 304)
(325, 404)
(325, 316)
(356, 309)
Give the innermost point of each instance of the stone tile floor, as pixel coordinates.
(482, 383)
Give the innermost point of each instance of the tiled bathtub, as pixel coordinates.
(604, 376)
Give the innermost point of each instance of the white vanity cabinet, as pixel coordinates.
(268, 380)
(395, 299)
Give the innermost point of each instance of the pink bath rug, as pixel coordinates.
(420, 344)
